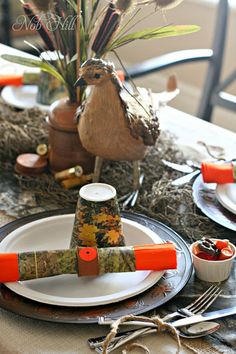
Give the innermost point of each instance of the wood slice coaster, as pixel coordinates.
(30, 164)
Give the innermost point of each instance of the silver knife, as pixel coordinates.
(177, 167)
(207, 316)
(185, 179)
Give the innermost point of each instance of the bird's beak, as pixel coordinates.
(80, 82)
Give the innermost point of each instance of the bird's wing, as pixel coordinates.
(141, 115)
(80, 110)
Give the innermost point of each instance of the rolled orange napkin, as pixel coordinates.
(86, 261)
(14, 80)
(220, 173)
(19, 79)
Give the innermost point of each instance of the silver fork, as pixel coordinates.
(198, 306)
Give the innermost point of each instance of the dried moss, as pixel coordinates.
(22, 131)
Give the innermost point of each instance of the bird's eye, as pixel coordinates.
(97, 76)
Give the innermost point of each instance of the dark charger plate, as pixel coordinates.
(204, 196)
(164, 290)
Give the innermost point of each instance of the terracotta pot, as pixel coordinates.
(65, 148)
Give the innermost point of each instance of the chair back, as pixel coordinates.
(213, 90)
(213, 94)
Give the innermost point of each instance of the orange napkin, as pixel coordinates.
(15, 80)
(86, 261)
(27, 78)
(220, 173)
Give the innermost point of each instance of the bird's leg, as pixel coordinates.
(136, 175)
(137, 181)
(97, 169)
(131, 197)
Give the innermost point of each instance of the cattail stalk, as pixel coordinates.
(124, 5)
(42, 5)
(42, 30)
(78, 47)
(106, 30)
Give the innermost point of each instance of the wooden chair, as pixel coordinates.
(7, 35)
(212, 93)
(5, 22)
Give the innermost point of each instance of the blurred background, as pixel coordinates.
(190, 76)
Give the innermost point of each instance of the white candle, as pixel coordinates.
(97, 192)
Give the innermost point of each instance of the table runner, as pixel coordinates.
(22, 131)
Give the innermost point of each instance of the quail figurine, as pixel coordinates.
(112, 123)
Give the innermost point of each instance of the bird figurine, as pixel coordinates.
(114, 124)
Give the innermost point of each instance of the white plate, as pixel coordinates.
(22, 96)
(70, 290)
(226, 195)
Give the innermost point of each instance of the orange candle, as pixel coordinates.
(218, 172)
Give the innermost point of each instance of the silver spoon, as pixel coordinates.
(199, 329)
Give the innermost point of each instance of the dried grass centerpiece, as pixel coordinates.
(78, 30)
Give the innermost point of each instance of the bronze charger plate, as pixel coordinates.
(165, 289)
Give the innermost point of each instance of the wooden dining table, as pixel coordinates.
(25, 335)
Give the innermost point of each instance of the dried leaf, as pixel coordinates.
(151, 33)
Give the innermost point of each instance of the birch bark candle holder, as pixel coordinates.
(97, 218)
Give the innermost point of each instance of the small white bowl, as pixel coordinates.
(212, 271)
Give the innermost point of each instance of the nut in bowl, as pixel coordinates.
(212, 259)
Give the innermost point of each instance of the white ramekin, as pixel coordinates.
(212, 271)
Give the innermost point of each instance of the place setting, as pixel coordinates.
(69, 298)
(98, 265)
(60, 296)
(25, 87)
(214, 192)
(213, 188)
